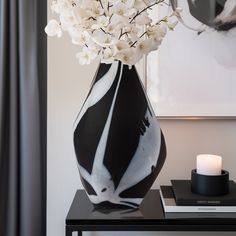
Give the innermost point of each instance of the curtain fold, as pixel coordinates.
(23, 106)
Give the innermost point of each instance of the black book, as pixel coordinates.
(184, 196)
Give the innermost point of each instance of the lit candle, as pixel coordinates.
(209, 164)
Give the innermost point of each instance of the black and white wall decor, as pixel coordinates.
(118, 143)
(217, 14)
(194, 72)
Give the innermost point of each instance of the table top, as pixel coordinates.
(150, 212)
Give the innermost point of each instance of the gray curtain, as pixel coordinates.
(23, 117)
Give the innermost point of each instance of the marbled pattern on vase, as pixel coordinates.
(119, 145)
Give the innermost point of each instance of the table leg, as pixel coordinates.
(68, 231)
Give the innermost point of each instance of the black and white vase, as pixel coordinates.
(118, 143)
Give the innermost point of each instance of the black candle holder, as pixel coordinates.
(210, 185)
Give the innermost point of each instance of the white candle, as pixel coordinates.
(209, 164)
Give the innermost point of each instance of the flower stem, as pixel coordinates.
(163, 19)
(101, 4)
(138, 39)
(148, 7)
(126, 32)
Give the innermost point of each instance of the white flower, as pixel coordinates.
(128, 3)
(103, 39)
(56, 7)
(152, 31)
(139, 4)
(149, 2)
(156, 35)
(162, 29)
(157, 31)
(92, 46)
(121, 45)
(119, 21)
(143, 19)
(102, 22)
(128, 56)
(144, 47)
(96, 9)
(86, 56)
(133, 32)
(68, 19)
(80, 14)
(107, 56)
(155, 43)
(110, 1)
(53, 28)
(171, 25)
(87, 24)
(78, 36)
(119, 9)
(60, 5)
(121, 13)
(112, 29)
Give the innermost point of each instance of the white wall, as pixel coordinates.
(68, 85)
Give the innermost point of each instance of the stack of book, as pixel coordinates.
(179, 202)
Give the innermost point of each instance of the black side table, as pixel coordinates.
(149, 217)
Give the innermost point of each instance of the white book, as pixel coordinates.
(169, 204)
